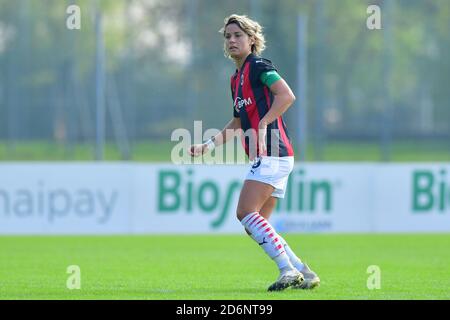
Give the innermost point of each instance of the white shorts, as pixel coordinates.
(272, 170)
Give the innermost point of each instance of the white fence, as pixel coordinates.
(116, 198)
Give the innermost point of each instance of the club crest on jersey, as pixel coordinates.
(242, 79)
(239, 103)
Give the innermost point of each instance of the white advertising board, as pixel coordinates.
(116, 198)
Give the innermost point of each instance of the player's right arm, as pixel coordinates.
(221, 138)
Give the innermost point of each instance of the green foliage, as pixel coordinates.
(166, 62)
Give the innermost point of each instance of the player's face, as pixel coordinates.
(237, 42)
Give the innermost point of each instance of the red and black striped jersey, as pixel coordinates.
(251, 101)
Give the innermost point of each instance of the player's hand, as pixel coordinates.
(262, 133)
(197, 150)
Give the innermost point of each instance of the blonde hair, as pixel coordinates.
(250, 27)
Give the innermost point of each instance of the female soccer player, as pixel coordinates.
(260, 97)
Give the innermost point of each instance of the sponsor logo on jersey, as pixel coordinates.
(239, 103)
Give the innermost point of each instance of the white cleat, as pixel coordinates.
(286, 280)
(311, 279)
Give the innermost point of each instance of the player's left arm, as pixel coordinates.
(283, 99)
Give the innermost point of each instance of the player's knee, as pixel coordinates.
(241, 213)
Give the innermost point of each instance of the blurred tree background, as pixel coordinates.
(164, 68)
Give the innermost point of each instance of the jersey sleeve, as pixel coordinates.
(269, 78)
(260, 66)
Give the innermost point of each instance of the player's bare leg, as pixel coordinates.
(253, 196)
(311, 280)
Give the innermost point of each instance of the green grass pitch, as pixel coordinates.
(153, 151)
(209, 267)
